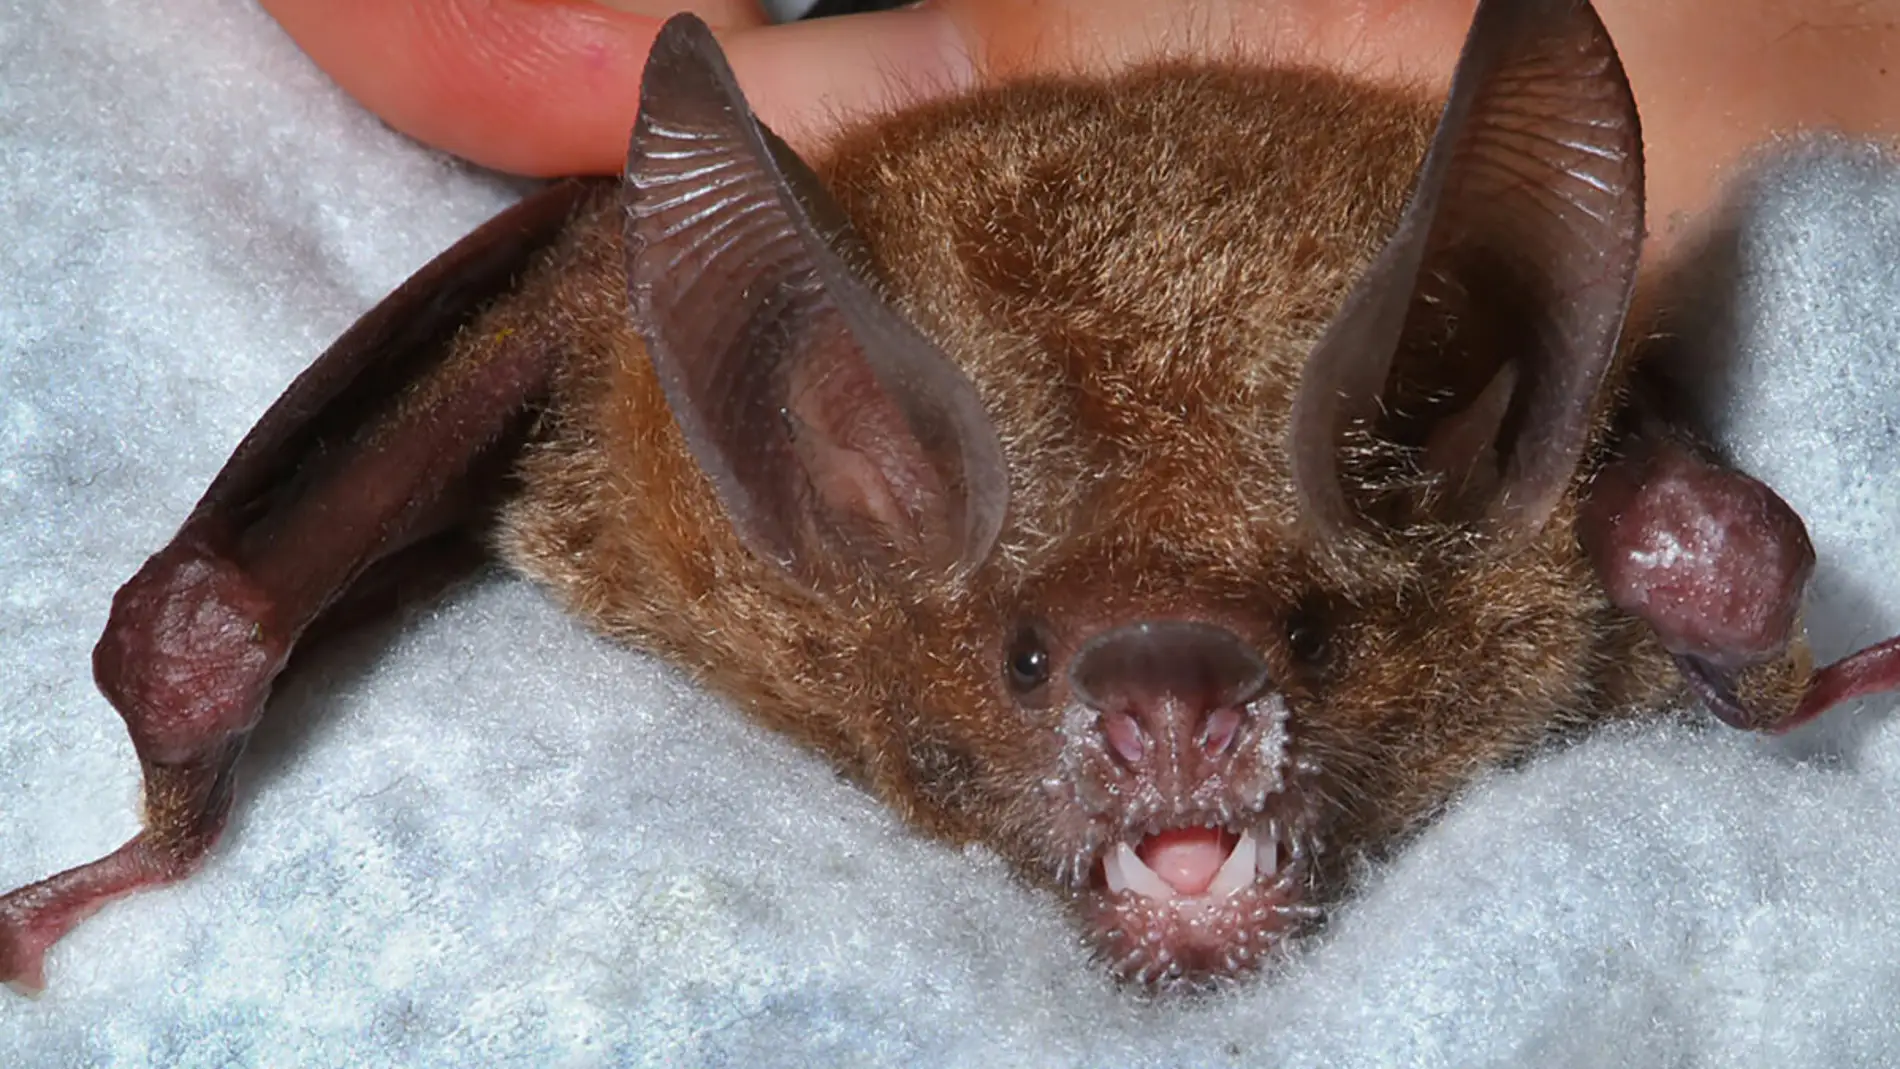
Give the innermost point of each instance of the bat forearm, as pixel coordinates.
(394, 437)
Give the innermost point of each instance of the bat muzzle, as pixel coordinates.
(1171, 695)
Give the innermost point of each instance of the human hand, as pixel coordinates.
(550, 86)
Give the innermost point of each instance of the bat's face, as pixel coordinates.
(1168, 482)
(1193, 728)
(1159, 692)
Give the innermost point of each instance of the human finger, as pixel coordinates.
(539, 87)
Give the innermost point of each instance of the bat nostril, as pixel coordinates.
(1217, 733)
(1125, 737)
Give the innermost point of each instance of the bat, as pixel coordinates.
(1186, 511)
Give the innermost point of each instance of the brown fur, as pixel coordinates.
(1130, 272)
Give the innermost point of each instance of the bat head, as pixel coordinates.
(1168, 482)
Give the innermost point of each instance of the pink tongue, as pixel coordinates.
(1187, 858)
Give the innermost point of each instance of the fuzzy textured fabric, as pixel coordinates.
(479, 836)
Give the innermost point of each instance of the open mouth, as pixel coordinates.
(1196, 903)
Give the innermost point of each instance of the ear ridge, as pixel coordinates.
(1526, 220)
(834, 432)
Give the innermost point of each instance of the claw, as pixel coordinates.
(21, 968)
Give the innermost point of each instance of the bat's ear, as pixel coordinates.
(1482, 333)
(837, 436)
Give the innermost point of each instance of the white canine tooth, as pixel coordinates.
(1112, 872)
(1126, 871)
(1268, 861)
(1237, 871)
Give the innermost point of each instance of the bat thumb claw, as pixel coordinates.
(22, 968)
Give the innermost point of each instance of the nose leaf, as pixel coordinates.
(1172, 686)
(1152, 661)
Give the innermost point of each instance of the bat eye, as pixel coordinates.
(1027, 662)
(1307, 634)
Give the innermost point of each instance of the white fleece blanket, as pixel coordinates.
(481, 837)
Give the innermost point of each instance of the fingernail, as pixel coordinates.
(944, 33)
